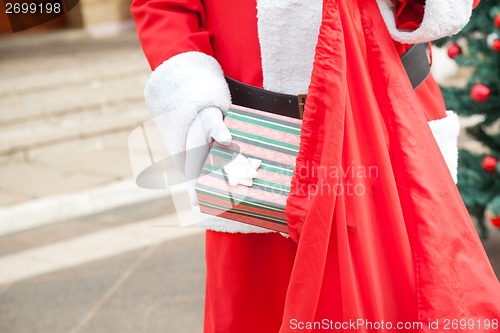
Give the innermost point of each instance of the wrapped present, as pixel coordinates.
(249, 181)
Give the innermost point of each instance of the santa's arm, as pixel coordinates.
(186, 78)
(417, 21)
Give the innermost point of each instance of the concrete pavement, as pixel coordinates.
(152, 280)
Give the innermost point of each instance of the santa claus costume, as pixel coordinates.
(380, 267)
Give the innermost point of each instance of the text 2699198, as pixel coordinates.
(33, 7)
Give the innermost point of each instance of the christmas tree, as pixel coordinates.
(478, 47)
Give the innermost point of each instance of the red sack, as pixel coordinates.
(400, 247)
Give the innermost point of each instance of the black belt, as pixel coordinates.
(414, 61)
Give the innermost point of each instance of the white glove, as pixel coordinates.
(207, 126)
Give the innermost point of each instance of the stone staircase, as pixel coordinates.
(67, 105)
(68, 89)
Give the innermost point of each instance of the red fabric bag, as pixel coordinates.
(402, 248)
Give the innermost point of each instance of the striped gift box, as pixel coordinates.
(271, 138)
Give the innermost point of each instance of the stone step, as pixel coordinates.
(65, 87)
(63, 99)
(46, 72)
(24, 136)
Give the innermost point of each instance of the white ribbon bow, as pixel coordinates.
(242, 170)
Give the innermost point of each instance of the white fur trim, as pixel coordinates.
(181, 87)
(224, 225)
(288, 33)
(441, 18)
(446, 133)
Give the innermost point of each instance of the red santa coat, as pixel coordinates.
(270, 44)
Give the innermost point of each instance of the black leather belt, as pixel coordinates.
(414, 61)
(416, 64)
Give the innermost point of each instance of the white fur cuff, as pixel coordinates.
(446, 132)
(441, 18)
(220, 224)
(224, 225)
(181, 87)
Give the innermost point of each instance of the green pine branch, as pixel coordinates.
(479, 189)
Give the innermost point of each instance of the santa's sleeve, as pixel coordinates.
(186, 78)
(417, 21)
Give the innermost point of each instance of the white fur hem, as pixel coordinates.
(288, 32)
(181, 87)
(446, 133)
(441, 18)
(224, 225)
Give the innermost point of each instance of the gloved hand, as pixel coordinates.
(207, 126)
